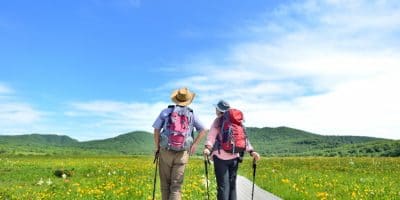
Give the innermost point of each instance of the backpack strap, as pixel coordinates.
(191, 121)
(171, 107)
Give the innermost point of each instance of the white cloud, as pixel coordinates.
(4, 89)
(15, 114)
(332, 69)
(99, 119)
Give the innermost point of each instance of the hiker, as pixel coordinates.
(226, 163)
(173, 139)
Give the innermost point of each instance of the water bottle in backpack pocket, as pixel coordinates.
(178, 129)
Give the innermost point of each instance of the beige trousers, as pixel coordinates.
(172, 169)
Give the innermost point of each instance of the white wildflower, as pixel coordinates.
(64, 176)
(49, 182)
(40, 181)
(205, 183)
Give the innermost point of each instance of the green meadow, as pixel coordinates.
(131, 177)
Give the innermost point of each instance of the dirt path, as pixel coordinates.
(244, 187)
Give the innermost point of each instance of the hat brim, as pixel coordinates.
(182, 103)
(219, 109)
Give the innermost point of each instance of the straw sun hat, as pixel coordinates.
(182, 96)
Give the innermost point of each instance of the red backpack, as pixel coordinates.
(233, 138)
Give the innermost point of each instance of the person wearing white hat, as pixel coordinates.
(226, 164)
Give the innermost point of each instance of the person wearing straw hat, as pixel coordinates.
(173, 148)
(226, 164)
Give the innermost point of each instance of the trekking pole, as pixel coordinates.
(254, 177)
(155, 173)
(206, 161)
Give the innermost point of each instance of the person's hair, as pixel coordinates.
(219, 111)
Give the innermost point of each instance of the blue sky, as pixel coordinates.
(94, 69)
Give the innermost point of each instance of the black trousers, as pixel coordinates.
(225, 172)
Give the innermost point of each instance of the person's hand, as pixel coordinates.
(255, 155)
(206, 152)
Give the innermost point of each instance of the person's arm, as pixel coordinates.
(211, 137)
(251, 151)
(157, 125)
(157, 139)
(197, 140)
(202, 132)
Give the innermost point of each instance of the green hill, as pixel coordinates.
(281, 141)
(36, 144)
(284, 141)
(38, 139)
(129, 143)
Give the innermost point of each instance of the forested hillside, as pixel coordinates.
(281, 141)
(284, 141)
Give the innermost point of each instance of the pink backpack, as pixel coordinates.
(178, 129)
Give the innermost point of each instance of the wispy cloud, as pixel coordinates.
(15, 113)
(323, 66)
(102, 118)
(329, 67)
(4, 89)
